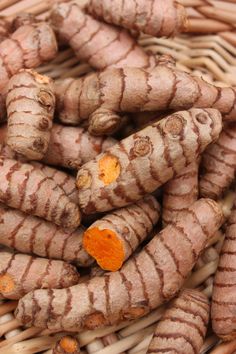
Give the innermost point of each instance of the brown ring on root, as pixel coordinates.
(105, 247)
(174, 125)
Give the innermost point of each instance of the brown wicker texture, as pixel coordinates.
(212, 56)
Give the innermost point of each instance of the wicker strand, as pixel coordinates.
(225, 348)
(7, 307)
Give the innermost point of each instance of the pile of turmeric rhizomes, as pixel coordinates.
(114, 189)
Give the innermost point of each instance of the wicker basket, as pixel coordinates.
(210, 52)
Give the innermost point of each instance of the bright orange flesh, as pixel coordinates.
(7, 283)
(69, 344)
(105, 247)
(109, 169)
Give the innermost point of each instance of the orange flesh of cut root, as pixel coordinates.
(105, 247)
(7, 283)
(68, 344)
(109, 169)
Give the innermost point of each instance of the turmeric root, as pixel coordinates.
(180, 192)
(146, 281)
(25, 187)
(30, 105)
(29, 234)
(67, 345)
(28, 47)
(65, 181)
(155, 17)
(101, 97)
(223, 297)
(145, 160)
(219, 163)
(71, 147)
(20, 273)
(95, 42)
(183, 327)
(112, 239)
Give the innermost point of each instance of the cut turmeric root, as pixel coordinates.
(112, 239)
(105, 246)
(67, 345)
(21, 273)
(142, 162)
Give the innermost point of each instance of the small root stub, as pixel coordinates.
(105, 247)
(104, 122)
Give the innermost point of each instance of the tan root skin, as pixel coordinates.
(140, 164)
(98, 44)
(219, 164)
(30, 108)
(19, 274)
(180, 192)
(100, 97)
(32, 235)
(183, 326)
(157, 18)
(143, 283)
(112, 239)
(64, 180)
(27, 188)
(71, 147)
(223, 296)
